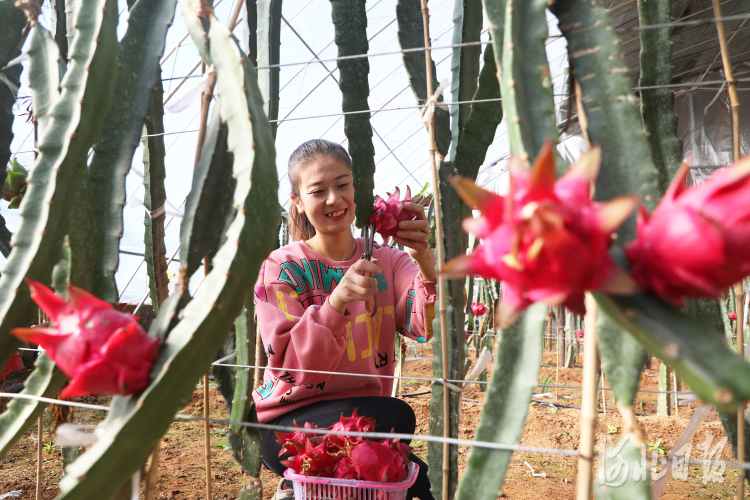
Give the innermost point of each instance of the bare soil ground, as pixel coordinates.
(182, 470)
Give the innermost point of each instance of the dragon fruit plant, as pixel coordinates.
(71, 226)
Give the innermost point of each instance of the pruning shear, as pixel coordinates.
(371, 307)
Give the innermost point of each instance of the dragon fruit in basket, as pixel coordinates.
(345, 457)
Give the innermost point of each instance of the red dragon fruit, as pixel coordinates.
(375, 461)
(478, 309)
(696, 243)
(345, 457)
(389, 212)
(546, 240)
(102, 350)
(579, 334)
(14, 363)
(732, 316)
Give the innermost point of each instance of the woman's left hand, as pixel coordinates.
(413, 235)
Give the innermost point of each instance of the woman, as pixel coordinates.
(310, 298)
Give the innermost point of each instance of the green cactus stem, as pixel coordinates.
(155, 197)
(623, 359)
(5, 237)
(246, 441)
(60, 23)
(137, 68)
(190, 346)
(12, 21)
(611, 108)
(514, 376)
(268, 19)
(46, 381)
(467, 28)
(455, 243)
(436, 420)
(350, 26)
(657, 105)
(478, 130)
(410, 36)
(75, 121)
(210, 200)
(43, 68)
(526, 81)
(615, 124)
(695, 352)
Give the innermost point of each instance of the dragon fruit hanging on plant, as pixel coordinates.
(478, 309)
(103, 351)
(546, 240)
(696, 242)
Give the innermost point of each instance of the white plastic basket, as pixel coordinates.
(328, 488)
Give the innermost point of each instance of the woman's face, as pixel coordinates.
(326, 195)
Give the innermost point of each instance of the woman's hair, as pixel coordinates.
(300, 227)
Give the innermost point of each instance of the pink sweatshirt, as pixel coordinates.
(301, 330)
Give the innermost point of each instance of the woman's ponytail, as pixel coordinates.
(300, 227)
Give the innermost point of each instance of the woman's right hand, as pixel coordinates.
(355, 286)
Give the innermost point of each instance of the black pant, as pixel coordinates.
(388, 413)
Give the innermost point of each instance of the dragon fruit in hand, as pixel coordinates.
(102, 350)
(391, 211)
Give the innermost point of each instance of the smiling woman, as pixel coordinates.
(310, 298)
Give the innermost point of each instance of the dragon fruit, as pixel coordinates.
(102, 350)
(377, 461)
(546, 240)
(345, 457)
(14, 363)
(696, 241)
(478, 309)
(389, 212)
(732, 316)
(579, 334)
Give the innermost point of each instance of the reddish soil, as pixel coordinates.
(182, 468)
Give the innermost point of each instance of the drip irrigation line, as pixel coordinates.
(376, 435)
(547, 403)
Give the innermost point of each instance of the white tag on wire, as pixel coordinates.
(432, 102)
(76, 435)
(181, 103)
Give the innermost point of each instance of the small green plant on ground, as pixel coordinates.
(612, 429)
(219, 432)
(51, 447)
(655, 446)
